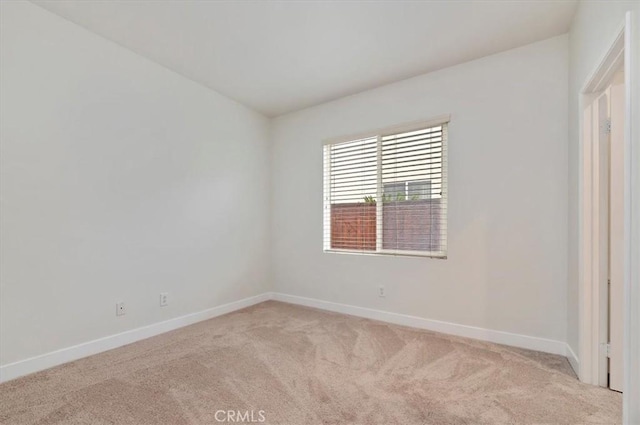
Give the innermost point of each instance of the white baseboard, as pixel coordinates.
(499, 337)
(573, 360)
(64, 355)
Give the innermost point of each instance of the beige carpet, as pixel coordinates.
(295, 365)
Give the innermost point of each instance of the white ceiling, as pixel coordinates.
(280, 56)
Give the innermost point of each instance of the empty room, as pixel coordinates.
(319, 212)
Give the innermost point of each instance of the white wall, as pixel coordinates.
(120, 179)
(595, 26)
(507, 265)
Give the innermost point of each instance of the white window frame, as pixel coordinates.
(402, 128)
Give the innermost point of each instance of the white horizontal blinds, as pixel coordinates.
(387, 193)
(414, 191)
(351, 174)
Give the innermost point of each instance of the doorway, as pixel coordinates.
(603, 133)
(605, 223)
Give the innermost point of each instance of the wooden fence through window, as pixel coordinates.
(407, 225)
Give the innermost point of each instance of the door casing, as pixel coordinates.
(592, 368)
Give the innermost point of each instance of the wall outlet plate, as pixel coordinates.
(381, 291)
(164, 299)
(120, 309)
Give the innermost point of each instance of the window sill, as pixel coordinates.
(390, 253)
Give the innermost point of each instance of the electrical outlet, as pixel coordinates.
(120, 309)
(164, 299)
(381, 291)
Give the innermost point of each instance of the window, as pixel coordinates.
(386, 192)
(412, 190)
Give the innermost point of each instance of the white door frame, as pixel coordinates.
(591, 303)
